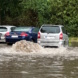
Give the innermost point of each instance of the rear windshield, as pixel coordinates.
(50, 29)
(25, 29)
(3, 29)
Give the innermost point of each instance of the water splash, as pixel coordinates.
(24, 48)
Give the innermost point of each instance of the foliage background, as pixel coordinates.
(38, 12)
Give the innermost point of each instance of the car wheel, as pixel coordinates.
(8, 43)
(32, 40)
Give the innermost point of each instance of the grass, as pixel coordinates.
(73, 39)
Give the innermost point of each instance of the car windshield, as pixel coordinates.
(50, 29)
(25, 29)
(3, 29)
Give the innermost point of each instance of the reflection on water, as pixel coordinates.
(55, 63)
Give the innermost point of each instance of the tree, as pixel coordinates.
(9, 9)
(38, 12)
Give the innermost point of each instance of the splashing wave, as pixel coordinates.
(33, 49)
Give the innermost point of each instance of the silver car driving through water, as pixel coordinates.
(52, 35)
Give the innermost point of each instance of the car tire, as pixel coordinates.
(8, 43)
(31, 40)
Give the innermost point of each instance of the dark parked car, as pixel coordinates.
(22, 33)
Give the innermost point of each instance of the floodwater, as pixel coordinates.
(53, 63)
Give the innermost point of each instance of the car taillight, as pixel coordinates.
(38, 34)
(61, 36)
(24, 34)
(7, 34)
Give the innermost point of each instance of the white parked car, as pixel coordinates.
(3, 30)
(52, 35)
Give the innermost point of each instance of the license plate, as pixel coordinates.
(50, 37)
(14, 36)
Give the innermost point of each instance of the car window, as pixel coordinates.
(12, 28)
(35, 30)
(50, 29)
(63, 29)
(25, 29)
(3, 29)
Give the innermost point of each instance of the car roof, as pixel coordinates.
(51, 25)
(26, 26)
(7, 26)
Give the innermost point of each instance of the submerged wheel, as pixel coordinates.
(32, 41)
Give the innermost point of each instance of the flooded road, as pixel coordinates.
(53, 63)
